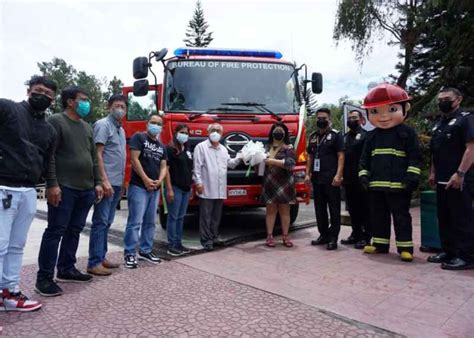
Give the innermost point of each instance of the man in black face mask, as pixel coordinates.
(356, 195)
(27, 142)
(452, 173)
(324, 169)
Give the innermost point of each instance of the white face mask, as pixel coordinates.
(215, 136)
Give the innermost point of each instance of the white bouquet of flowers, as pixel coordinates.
(253, 153)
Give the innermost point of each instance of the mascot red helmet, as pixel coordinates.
(383, 94)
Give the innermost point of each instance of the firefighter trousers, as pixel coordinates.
(358, 206)
(325, 195)
(383, 206)
(456, 220)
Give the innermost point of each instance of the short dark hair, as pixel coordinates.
(38, 79)
(456, 91)
(358, 112)
(286, 139)
(323, 110)
(117, 97)
(153, 114)
(71, 93)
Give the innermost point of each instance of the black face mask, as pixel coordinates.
(445, 106)
(353, 125)
(322, 124)
(39, 102)
(278, 135)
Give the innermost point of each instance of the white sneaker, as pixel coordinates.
(16, 301)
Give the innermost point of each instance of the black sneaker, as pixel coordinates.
(208, 247)
(130, 262)
(149, 257)
(48, 288)
(185, 250)
(174, 252)
(73, 276)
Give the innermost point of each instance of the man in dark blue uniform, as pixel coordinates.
(356, 195)
(325, 169)
(452, 172)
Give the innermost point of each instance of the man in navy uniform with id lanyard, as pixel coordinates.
(324, 169)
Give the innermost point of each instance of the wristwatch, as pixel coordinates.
(460, 173)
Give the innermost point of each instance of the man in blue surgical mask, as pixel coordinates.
(73, 183)
(149, 169)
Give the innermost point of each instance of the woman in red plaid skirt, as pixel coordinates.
(278, 184)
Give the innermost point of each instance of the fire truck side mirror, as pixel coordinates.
(161, 54)
(317, 83)
(140, 88)
(140, 67)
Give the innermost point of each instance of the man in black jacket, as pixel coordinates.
(356, 195)
(27, 142)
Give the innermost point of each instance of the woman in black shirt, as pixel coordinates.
(178, 188)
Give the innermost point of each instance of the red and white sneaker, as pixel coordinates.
(16, 301)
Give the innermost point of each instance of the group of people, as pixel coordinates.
(380, 170)
(84, 167)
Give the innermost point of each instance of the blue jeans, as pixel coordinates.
(141, 221)
(14, 225)
(176, 211)
(102, 219)
(65, 223)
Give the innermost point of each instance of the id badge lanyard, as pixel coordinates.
(317, 161)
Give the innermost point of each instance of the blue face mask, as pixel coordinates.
(182, 138)
(83, 108)
(153, 129)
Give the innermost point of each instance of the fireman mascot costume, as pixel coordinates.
(390, 169)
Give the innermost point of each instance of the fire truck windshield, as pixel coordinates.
(200, 85)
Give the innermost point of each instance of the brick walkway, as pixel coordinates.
(172, 299)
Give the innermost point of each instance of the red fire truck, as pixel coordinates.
(244, 90)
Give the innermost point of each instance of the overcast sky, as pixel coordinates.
(103, 38)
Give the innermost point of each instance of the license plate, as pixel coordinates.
(237, 192)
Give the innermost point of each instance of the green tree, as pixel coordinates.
(115, 87)
(445, 53)
(66, 75)
(435, 37)
(196, 32)
(360, 20)
(60, 72)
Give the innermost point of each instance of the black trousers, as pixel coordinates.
(456, 220)
(382, 205)
(357, 200)
(210, 212)
(325, 195)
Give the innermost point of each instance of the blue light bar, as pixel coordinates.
(228, 52)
